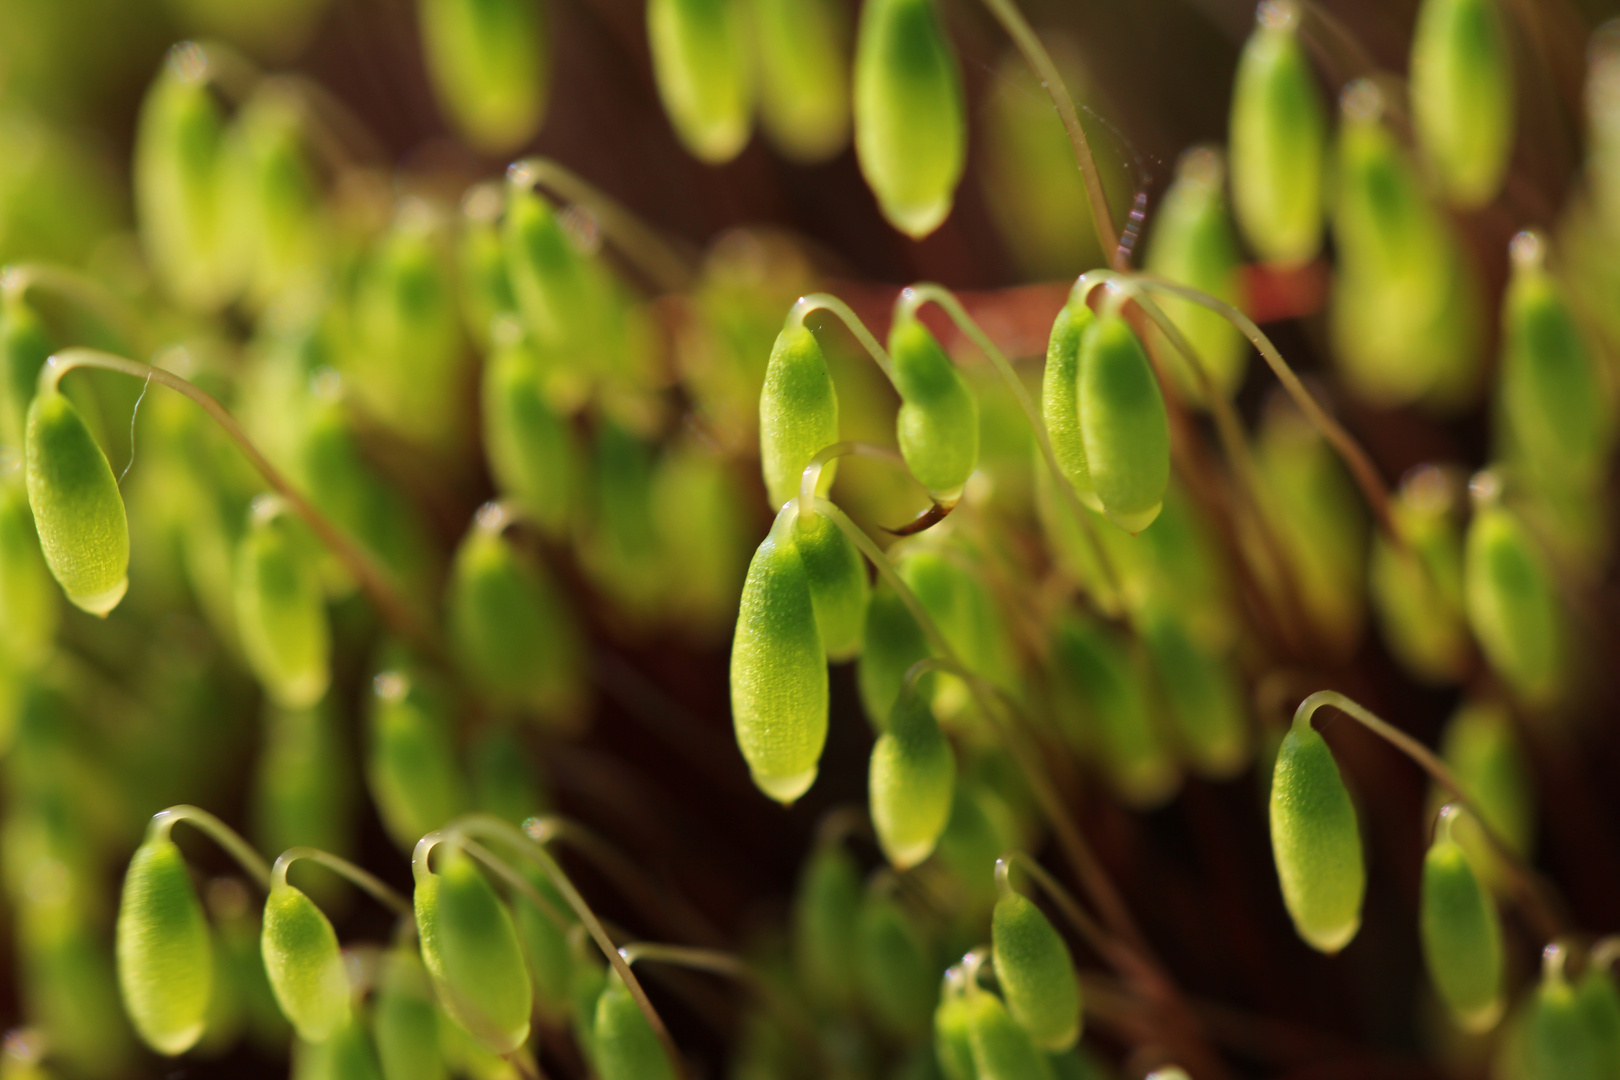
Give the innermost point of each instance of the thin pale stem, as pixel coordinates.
(89, 294)
(393, 607)
(846, 314)
(384, 893)
(219, 832)
(811, 478)
(1012, 20)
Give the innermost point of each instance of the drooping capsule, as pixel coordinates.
(839, 588)
(1278, 141)
(489, 68)
(953, 1045)
(544, 934)
(28, 603)
(1002, 1050)
(892, 642)
(504, 779)
(826, 905)
(1512, 606)
(911, 780)
(346, 1055)
(25, 345)
(1118, 727)
(803, 71)
(411, 766)
(165, 965)
(471, 949)
(78, 510)
(626, 1047)
(532, 451)
(798, 414)
(1480, 747)
(1202, 693)
(779, 669)
(306, 969)
(1123, 424)
(896, 982)
(970, 845)
(705, 77)
(1316, 841)
(1462, 938)
(910, 122)
(620, 547)
(551, 279)
(281, 611)
(954, 596)
(1462, 93)
(1060, 409)
(703, 533)
(938, 424)
(1036, 973)
(486, 287)
(1598, 999)
(301, 792)
(1416, 586)
(272, 198)
(1556, 1039)
(404, 1020)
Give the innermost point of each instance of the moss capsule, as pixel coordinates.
(25, 345)
(1462, 939)
(910, 122)
(1480, 747)
(1002, 1050)
(411, 765)
(306, 970)
(1462, 96)
(272, 197)
(839, 589)
(165, 966)
(953, 1044)
(896, 981)
(705, 76)
(938, 425)
(404, 1020)
(78, 509)
(798, 414)
(471, 949)
(1099, 667)
(1599, 1001)
(626, 1047)
(1316, 841)
(346, 1055)
(779, 669)
(532, 450)
(1512, 607)
(803, 71)
(1123, 425)
(1416, 588)
(912, 777)
(1557, 1039)
(28, 602)
(1036, 973)
(281, 613)
(826, 905)
(1059, 397)
(545, 947)
(489, 67)
(549, 277)
(892, 642)
(1204, 697)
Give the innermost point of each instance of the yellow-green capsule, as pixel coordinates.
(779, 669)
(25, 345)
(1512, 605)
(281, 611)
(165, 966)
(486, 287)
(1462, 93)
(1117, 724)
(276, 220)
(306, 970)
(28, 603)
(489, 67)
(620, 548)
(970, 845)
(1416, 587)
(954, 596)
(1192, 244)
(471, 949)
(346, 1055)
(1483, 753)
(589, 977)
(911, 781)
(1002, 1050)
(531, 448)
(78, 509)
(504, 780)
(1036, 973)
(1556, 1039)
(1599, 1001)
(1462, 938)
(826, 905)
(1123, 424)
(626, 1047)
(803, 71)
(411, 766)
(1060, 407)
(1204, 697)
(705, 75)
(545, 946)
(798, 414)
(892, 642)
(703, 530)
(301, 792)
(953, 1045)
(404, 1020)
(938, 425)
(550, 278)
(1316, 841)
(839, 588)
(1278, 141)
(910, 122)
(893, 967)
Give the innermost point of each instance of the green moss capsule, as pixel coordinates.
(779, 669)
(1002, 1050)
(938, 425)
(1099, 667)
(486, 287)
(703, 533)
(411, 766)
(1192, 244)
(953, 1043)
(559, 292)
(165, 966)
(826, 905)
(892, 642)
(272, 197)
(705, 78)
(77, 506)
(1036, 973)
(1512, 606)
(1060, 408)
(504, 777)
(910, 122)
(803, 70)
(970, 845)
(954, 596)
(531, 448)
(281, 612)
(1486, 757)
(306, 970)
(839, 588)
(1557, 1039)
(346, 1055)
(1123, 424)
(471, 949)
(545, 946)
(912, 777)
(798, 414)
(626, 1047)
(489, 67)
(301, 788)
(1315, 840)
(1278, 141)
(1462, 96)
(1416, 588)
(1462, 938)
(404, 1020)
(25, 345)
(1599, 1001)
(1203, 694)
(28, 603)
(896, 981)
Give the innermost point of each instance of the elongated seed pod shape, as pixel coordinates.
(1278, 141)
(953, 594)
(1036, 973)
(1485, 755)
(1123, 425)
(404, 1019)
(798, 414)
(585, 990)
(1119, 727)
(471, 949)
(1462, 939)
(25, 345)
(346, 1055)
(1002, 1050)
(411, 766)
(704, 72)
(1203, 695)
(548, 275)
(28, 601)
(281, 614)
(953, 1045)
(1416, 587)
(489, 67)
(910, 118)
(938, 425)
(1557, 1039)
(911, 780)
(545, 946)
(532, 450)
(1316, 841)
(1598, 999)
(271, 196)
(839, 589)
(803, 71)
(1060, 409)
(626, 1046)
(826, 905)
(165, 964)
(779, 669)
(78, 510)
(893, 641)
(1512, 606)
(896, 981)
(1192, 243)
(486, 288)
(305, 967)
(1462, 96)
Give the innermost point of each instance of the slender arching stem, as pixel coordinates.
(665, 266)
(1012, 20)
(384, 893)
(222, 834)
(89, 294)
(389, 603)
(1097, 937)
(828, 302)
(811, 477)
(1532, 898)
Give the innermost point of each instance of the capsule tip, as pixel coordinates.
(101, 604)
(786, 789)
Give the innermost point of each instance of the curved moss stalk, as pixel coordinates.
(384, 894)
(846, 314)
(85, 292)
(1098, 938)
(222, 834)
